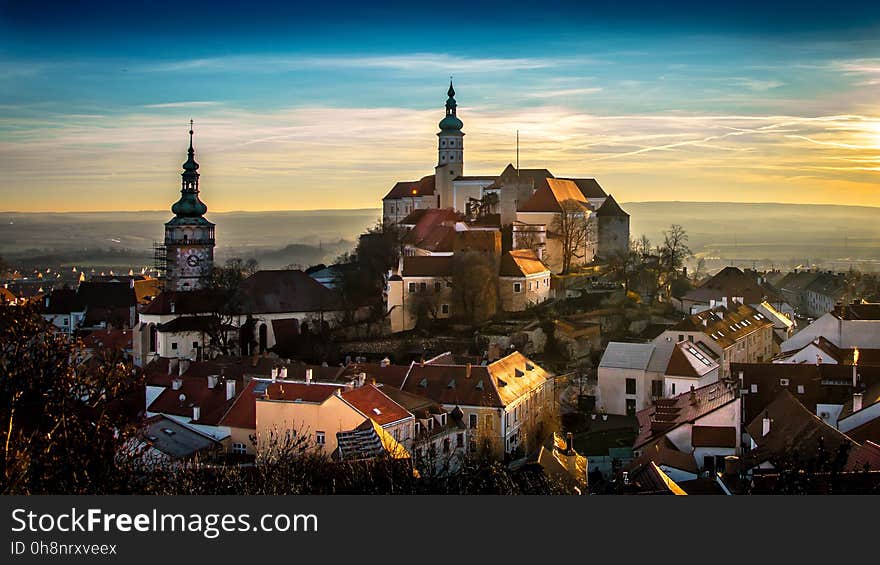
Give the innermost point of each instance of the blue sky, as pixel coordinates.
(327, 105)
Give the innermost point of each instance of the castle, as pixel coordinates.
(523, 217)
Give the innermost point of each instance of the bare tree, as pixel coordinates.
(474, 287)
(571, 226)
(228, 302)
(674, 250)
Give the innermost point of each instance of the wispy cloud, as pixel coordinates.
(416, 62)
(564, 92)
(186, 104)
(287, 155)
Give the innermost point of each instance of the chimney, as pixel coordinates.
(196, 413)
(274, 373)
(309, 376)
(569, 443)
(176, 384)
(182, 366)
(361, 379)
(172, 365)
(283, 373)
(857, 401)
(731, 464)
(385, 362)
(171, 306)
(765, 425)
(467, 373)
(212, 381)
(230, 389)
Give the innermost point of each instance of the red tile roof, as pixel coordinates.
(373, 403)
(669, 413)
(405, 189)
(194, 391)
(243, 412)
(315, 392)
(550, 194)
(725, 326)
(521, 263)
(108, 339)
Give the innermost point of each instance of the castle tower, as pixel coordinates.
(450, 151)
(189, 237)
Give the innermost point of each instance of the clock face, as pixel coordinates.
(193, 260)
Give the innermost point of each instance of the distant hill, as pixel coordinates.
(777, 233)
(800, 233)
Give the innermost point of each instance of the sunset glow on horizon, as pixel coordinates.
(300, 120)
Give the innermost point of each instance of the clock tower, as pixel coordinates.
(189, 237)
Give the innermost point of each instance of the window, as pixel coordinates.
(657, 388)
(680, 337)
(412, 287)
(448, 284)
(195, 345)
(630, 407)
(754, 388)
(473, 421)
(239, 449)
(418, 428)
(446, 445)
(64, 321)
(517, 287)
(423, 286)
(320, 438)
(437, 286)
(630, 386)
(444, 308)
(173, 345)
(673, 389)
(800, 389)
(487, 421)
(459, 440)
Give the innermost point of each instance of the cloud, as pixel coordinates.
(187, 104)
(563, 92)
(319, 156)
(416, 62)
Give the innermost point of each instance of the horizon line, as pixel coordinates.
(774, 203)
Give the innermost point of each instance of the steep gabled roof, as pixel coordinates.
(793, 430)
(590, 188)
(375, 404)
(610, 208)
(551, 193)
(521, 263)
(406, 189)
(688, 360)
(287, 291)
(669, 413)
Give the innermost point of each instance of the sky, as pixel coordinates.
(327, 105)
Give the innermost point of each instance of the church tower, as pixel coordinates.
(450, 151)
(189, 237)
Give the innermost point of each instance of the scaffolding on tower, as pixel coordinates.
(160, 261)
